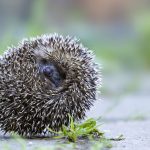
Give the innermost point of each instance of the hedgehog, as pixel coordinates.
(42, 80)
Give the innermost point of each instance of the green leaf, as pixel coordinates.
(86, 129)
(72, 126)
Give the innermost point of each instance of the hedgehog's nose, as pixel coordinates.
(48, 71)
(51, 73)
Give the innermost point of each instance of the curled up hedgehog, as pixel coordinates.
(44, 79)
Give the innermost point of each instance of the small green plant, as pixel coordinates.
(88, 129)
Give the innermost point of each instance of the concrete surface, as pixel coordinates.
(136, 133)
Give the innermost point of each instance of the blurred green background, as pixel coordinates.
(117, 31)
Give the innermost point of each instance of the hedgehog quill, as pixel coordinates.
(44, 79)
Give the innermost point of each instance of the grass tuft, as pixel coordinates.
(88, 129)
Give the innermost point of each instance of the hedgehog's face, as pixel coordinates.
(50, 73)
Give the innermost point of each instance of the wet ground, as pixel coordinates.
(136, 133)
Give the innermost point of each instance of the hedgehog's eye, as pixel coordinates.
(43, 61)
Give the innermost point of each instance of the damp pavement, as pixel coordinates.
(127, 114)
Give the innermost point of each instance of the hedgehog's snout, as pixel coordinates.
(52, 73)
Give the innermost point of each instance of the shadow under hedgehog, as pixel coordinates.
(44, 79)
